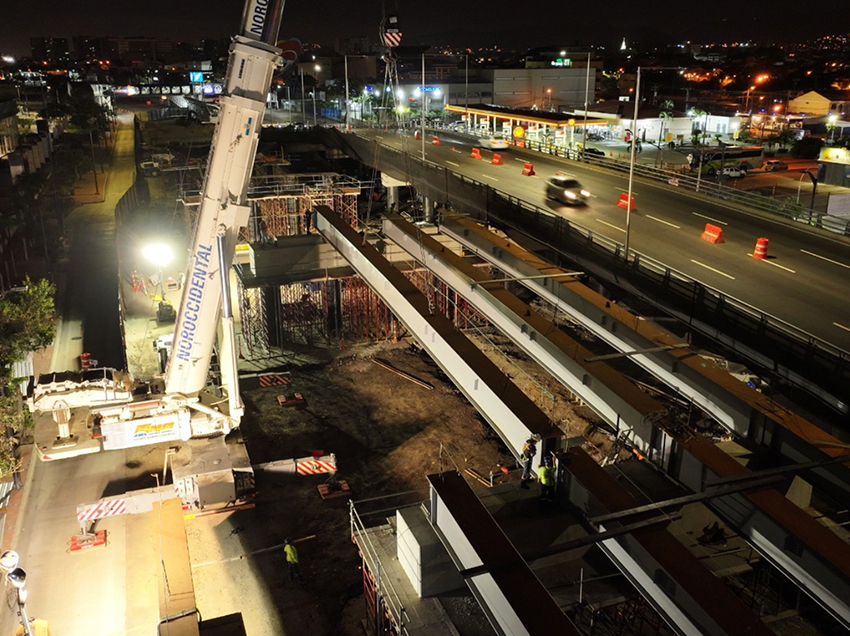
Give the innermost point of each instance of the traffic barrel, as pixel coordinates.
(475, 154)
(528, 169)
(85, 361)
(497, 159)
(416, 135)
(761, 249)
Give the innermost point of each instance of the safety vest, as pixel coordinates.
(291, 553)
(546, 475)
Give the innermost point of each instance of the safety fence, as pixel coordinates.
(791, 353)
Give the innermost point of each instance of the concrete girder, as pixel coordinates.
(691, 599)
(505, 407)
(809, 553)
(747, 412)
(606, 392)
(515, 601)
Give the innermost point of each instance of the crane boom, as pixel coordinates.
(223, 208)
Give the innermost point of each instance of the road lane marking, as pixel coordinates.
(610, 225)
(770, 262)
(457, 165)
(520, 160)
(824, 258)
(489, 177)
(841, 326)
(709, 218)
(663, 221)
(716, 271)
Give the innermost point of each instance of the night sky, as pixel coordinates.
(473, 22)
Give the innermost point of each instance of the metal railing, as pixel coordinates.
(822, 368)
(374, 555)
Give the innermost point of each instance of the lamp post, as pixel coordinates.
(303, 111)
(347, 118)
(18, 578)
(632, 170)
(466, 90)
(318, 68)
(586, 95)
(422, 106)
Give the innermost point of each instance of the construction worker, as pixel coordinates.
(292, 560)
(529, 451)
(546, 474)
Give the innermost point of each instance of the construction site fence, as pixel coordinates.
(765, 340)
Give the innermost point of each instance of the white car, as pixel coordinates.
(566, 189)
(734, 172)
(494, 142)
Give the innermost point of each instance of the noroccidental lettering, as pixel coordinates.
(195, 295)
(258, 18)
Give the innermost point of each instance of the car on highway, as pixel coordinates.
(594, 152)
(734, 172)
(494, 142)
(774, 164)
(566, 189)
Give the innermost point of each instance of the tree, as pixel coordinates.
(665, 114)
(807, 148)
(27, 323)
(785, 137)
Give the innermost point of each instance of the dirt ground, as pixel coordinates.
(388, 434)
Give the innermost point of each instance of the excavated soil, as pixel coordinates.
(388, 433)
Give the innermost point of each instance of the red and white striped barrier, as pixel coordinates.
(316, 466)
(102, 509)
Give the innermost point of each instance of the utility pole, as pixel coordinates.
(347, 119)
(632, 169)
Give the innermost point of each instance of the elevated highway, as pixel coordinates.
(786, 314)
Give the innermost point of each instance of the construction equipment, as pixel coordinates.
(103, 409)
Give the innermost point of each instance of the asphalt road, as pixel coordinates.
(805, 281)
(86, 593)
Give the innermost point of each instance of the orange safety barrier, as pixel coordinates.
(435, 140)
(528, 169)
(624, 201)
(416, 135)
(712, 234)
(475, 154)
(761, 249)
(497, 159)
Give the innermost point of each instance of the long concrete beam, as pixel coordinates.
(505, 407)
(693, 601)
(749, 413)
(514, 600)
(819, 561)
(619, 403)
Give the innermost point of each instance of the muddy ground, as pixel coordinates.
(388, 434)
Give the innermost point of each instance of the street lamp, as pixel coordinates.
(18, 578)
(318, 68)
(832, 126)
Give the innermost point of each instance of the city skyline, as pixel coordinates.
(476, 23)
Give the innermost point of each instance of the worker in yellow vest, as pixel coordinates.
(292, 560)
(546, 475)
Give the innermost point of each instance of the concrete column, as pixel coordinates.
(429, 209)
(392, 197)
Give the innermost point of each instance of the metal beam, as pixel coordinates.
(616, 400)
(748, 413)
(507, 409)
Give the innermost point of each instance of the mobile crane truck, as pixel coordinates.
(104, 409)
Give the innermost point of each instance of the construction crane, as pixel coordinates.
(104, 409)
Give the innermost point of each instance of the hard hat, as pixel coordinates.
(547, 460)
(287, 540)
